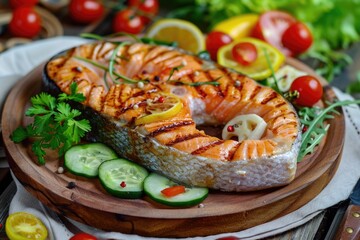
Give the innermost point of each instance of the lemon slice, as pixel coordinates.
(25, 226)
(186, 34)
(164, 107)
(239, 26)
(260, 68)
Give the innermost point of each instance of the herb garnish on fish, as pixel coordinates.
(56, 125)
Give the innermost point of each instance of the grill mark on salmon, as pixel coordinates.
(177, 138)
(170, 127)
(185, 138)
(207, 147)
(268, 98)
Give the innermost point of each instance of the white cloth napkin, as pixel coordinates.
(17, 62)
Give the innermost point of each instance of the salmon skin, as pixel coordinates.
(176, 147)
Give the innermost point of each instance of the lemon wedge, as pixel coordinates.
(257, 70)
(25, 226)
(186, 34)
(237, 27)
(162, 108)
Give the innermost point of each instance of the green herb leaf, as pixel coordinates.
(314, 121)
(19, 135)
(56, 124)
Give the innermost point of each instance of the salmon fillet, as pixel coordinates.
(177, 147)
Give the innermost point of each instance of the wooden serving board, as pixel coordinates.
(88, 203)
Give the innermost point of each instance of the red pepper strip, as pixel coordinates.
(173, 191)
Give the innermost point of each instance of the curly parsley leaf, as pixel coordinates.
(56, 125)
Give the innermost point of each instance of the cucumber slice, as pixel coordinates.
(122, 178)
(84, 160)
(154, 183)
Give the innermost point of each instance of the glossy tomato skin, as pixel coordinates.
(146, 7)
(297, 38)
(85, 11)
(244, 53)
(271, 26)
(128, 21)
(215, 40)
(22, 3)
(25, 22)
(309, 88)
(228, 238)
(83, 236)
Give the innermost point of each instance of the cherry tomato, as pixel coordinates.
(309, 88)
(23, 3)
(85, 11)
(271, 26)
(214, 41)
(173, 191)
(127, 21)
(297, 38)
(146, 7)
(244, 53)
(83, 236)
(228, 238)
(25, 22)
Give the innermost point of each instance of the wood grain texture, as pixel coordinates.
(222, 212)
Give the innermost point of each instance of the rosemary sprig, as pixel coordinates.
(173, 70)
(196, 84)
(276, 87)
(137, 39)
(113, 60)
(96, 64)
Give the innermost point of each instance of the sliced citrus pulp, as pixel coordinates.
(164, 107)
(25, 226)
(259, 69)
(237, 27)
(186, 34)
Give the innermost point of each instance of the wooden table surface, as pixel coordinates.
(317, 228)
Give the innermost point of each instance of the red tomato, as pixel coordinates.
(297, 38)
(228, 238)
(23, 3)
(25, 22)
(85, 11)
(244, 53)
(214, 41)
(309, 88)
(127, 21)
(173, 191)
(146, 7)
(271, 26)
(83, 236)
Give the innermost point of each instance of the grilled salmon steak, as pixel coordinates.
(150, 103)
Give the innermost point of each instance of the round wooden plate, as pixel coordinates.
(221, 212)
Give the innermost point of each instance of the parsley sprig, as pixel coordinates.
(56, 124)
